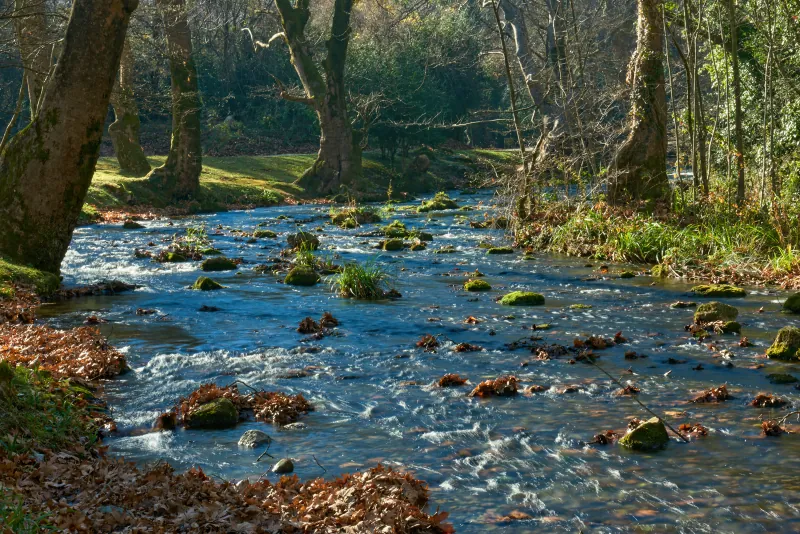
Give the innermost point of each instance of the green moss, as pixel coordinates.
(500, 250)
(719, 291)
(44, 283)
(715, 311)
(786, 345)
(781, 378)
(792, 304)
(649, 436)
(210, 252)
(700, 334)
(477, 285)
(731, 327)
(173, 257)
(132, 225)
(447, 249)
(421, 235)
(395, 229)
(219, 413)
(440, 201)
(206, 284)
(418, 246)
(580, 306)
(522, 298)
(393, 244)
(627, 274)
(301, 276)
(659, 271)
(219, 263)
(303, 240)
(89, 215)
(265, 234)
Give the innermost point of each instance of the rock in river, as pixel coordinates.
(254, 438)
(648, 436)
(219, 413)
(786, 345)
(715, 311)
(283, 466)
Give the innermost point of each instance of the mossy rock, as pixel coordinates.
(217, 264)
(205, 283)
(210, 252)
(649, 436)
(303, 240)
(439, 202)
(393, 244)
(219, 413)
(421, 235)
(786, 345)
(659, 271)
(792, 304)
(418, 246)
(173, 257)
(781, 378)
(522, 298)
(132, 225)
(448, 249)
(348, 224)
(700, 334)
(301, 276)
(395, 229)
(500, 250)
(719, 291)
(262, 234)
(627, 274)
(44, 282)
(477, 285)
(580, 306)
(715, 311)
(731, 327)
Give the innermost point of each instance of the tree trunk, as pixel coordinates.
(737, 99)
(180, 175)
(339, 159)
(30, 26)
(639, 170)
(522, 47)
(47, 168)
(124, 131)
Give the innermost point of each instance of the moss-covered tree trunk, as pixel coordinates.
(339, 159)
(30, 27)
(47, 168)
(180, 175)
(639, 170)
(124, 131)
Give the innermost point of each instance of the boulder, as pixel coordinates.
(393, 244)
(439, 202)
(132, 225)
(303, 240)
(264, 234)
(522, 298)
(500, 250)
(648, 436)
(477, 285)
(294, 426)
(786, 345)
(219, 413)
(206, 284)
(254, 438)
(732, 327)
(792, 304)
(781, 378)
(719, 291)
(302, 276)
(217, 264)
(715, 311)
(627, 274)
(418, 246)
(395, 229)
(173, 257)
(421, 235)
(283, 466)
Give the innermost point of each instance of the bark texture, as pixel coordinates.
(30, 26)
(181, 173)
(639, 170)
(47, 168)
(339, 159)
(124, 131)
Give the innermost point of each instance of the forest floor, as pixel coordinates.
(255, 181)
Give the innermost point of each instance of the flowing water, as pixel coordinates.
(481, 458)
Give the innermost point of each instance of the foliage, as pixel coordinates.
(367, 281)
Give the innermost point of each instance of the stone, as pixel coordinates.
(219, 413)
(719, 291)
(477, 285)
(206, 284)
(680, 305)
(254, 438)
(283, 466)
(217, 264)
(173, 257)
(439, 202)
(418, 246)
(648, 436)
(421, 235)
(522, 298)
(781, 378)
(627, 274)
(659, 271)
(132, 225)
(294, 426)
(500, 250)
(715, 311)
(792, 304)
(302, 276)
(393, 244)
(303, 240)
(731, 327)
(260, 234)
(786, 345)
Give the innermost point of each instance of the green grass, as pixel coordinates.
(44, 282)
(15, 518)
(366, 281)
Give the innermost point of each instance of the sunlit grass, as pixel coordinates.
(367, 281)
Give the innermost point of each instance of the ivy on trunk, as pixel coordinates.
(47, 168)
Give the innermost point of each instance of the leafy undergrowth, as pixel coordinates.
(268, 406)
(11, 274)
(743, 248)
(78, 353)
(18, 306)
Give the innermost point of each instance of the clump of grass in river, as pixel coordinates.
(367, 281)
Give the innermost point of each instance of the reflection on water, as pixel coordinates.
(371, 385)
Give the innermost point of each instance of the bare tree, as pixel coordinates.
(124, 131)
(30, 25)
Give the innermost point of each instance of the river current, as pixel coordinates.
(373, 392)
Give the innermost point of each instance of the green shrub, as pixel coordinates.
(366, 281)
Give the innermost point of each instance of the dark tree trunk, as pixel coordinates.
(639, 170)
(47, 168)
(124, 131)
(181, 173)
(30, 26)
(339, 159)
(737, 99)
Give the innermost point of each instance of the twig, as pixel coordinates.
(319, 464)
(787, 416)
(265, 453)
(616, 381)
(245, 384)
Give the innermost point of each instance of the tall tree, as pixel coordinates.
(180, 175)
(30, 26)
(124, 131)
(639, 170)
(737, 99)
(47, 168)
(339, 159)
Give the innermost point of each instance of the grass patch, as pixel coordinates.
(366, 281)
(11, 273)
(15, 516)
